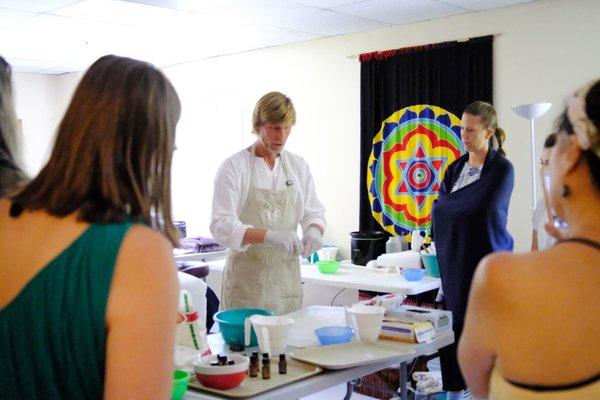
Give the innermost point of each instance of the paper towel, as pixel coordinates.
(403, 259)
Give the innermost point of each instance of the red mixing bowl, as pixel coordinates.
(221, 377)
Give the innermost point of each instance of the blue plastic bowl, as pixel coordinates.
(231, 323)
(334, 334)
(413, 274)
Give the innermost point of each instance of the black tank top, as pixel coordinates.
(584, 241)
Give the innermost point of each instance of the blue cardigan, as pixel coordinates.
(470, 224)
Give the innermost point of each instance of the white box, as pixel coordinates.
(403, 331)
(441, 320)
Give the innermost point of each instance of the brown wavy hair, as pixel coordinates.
(487, 114)
(111, 159)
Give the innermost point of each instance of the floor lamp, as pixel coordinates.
(531, 112)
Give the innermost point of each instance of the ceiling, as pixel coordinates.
(58, 36)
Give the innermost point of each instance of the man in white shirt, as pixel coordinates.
(261, 194)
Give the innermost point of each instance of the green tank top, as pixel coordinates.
(53, 334)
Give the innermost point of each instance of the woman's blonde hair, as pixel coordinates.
(111, 159)
(487, 114)
(274, 108)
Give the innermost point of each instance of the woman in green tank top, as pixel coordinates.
(87, 290)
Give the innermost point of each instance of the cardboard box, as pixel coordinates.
(404, 331)
(440, 319)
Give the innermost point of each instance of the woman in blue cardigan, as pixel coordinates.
(469, 220)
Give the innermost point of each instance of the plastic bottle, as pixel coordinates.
(394, 244)
(389, 245)
(282, 364)
(266, 368)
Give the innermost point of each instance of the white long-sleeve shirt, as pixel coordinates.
(232, 185)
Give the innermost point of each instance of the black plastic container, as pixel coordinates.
(366, 246)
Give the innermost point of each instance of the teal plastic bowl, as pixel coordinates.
(430, 262)
(231, 323)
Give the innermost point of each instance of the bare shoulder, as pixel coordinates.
(140, 238)
(504, 264)
(149, 250)
(497, 273)
(510, 278)
(145, 273)
(496, 267)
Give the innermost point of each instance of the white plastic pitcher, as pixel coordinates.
(366, 321)
(271, 332)
(327, 253)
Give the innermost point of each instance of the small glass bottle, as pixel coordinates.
(266, 368)
(222, 359)
(254, 367)
(282, 364)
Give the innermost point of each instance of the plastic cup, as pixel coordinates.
(180, 384)
(366, 321)
(430, 262)
(327, 253)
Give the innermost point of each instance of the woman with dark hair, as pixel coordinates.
(88, 291)
(532, 325)
(541, 239)
(11, 174)
(469, 220)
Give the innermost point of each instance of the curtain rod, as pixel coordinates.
(351, 56)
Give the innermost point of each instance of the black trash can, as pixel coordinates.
(366, 246)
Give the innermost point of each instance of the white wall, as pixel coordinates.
(545, 50)
(40, 102)
(34, 94)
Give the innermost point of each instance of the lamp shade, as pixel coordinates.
(531, 111)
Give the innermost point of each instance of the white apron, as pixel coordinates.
(264, 276)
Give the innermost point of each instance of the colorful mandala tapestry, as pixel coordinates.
(405, 169)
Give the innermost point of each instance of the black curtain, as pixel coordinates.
(449, 75)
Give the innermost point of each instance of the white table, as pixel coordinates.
(328, 378)
(356, 277)
(363, 278)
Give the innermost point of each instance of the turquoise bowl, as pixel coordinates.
(231, 323)
(430, 262)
